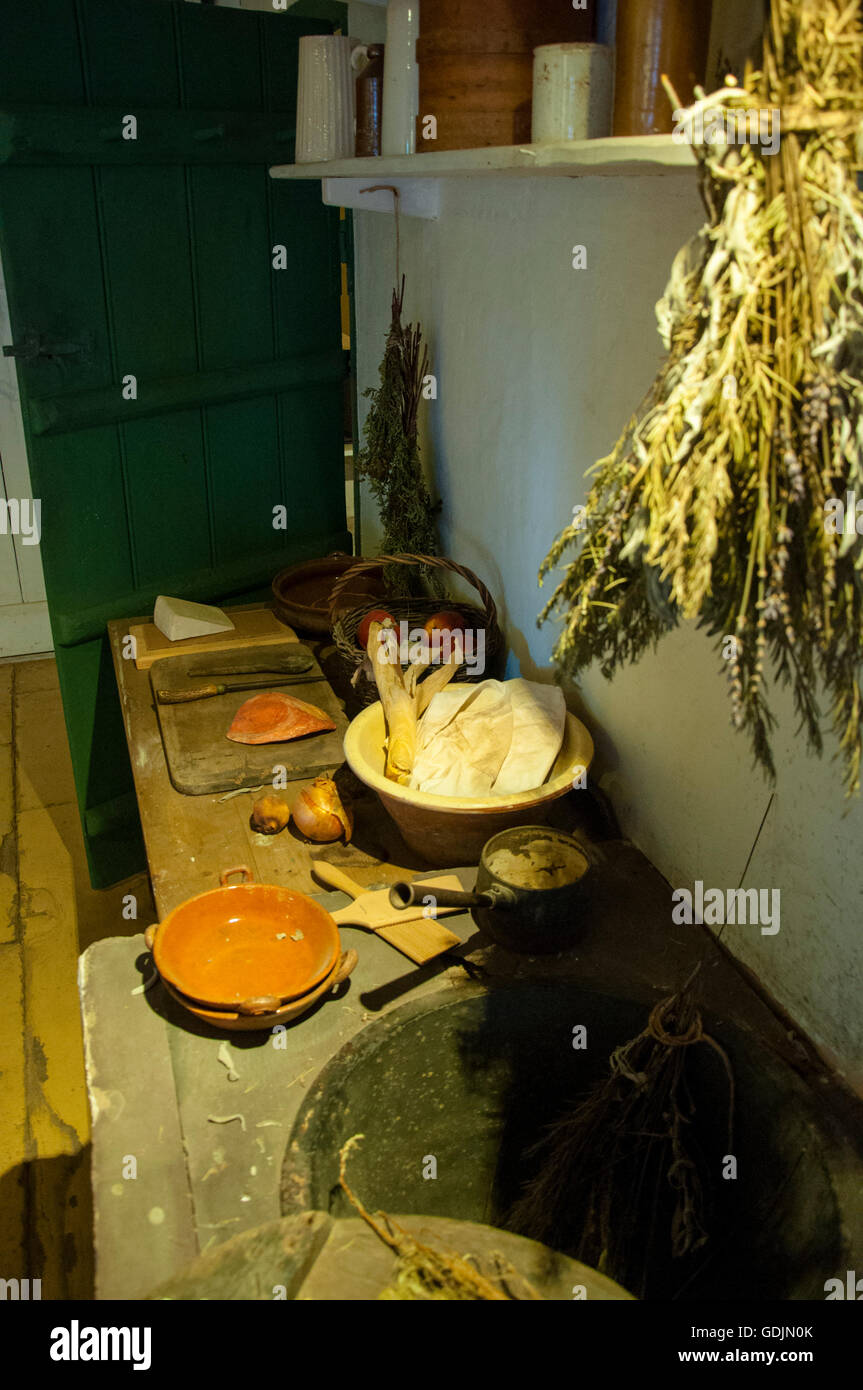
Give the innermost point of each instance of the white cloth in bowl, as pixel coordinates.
(495, 738)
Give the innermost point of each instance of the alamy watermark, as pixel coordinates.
(405, 645)
(844, 517)
(20, 1289)
(849, 1288)
(21, 516)
(77, 1343)
(703, 124)
(716, 907)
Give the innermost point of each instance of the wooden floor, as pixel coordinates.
(48, 914)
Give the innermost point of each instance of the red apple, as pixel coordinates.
(445, 621)
(377, 615)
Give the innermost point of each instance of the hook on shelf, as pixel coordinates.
(389, 188)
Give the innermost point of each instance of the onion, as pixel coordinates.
(270, 815)
(319, 813)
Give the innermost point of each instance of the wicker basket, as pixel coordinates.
(414, 611)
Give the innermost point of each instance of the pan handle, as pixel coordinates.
(248, 876)
(414, 895)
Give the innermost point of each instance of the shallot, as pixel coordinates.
(270, 815)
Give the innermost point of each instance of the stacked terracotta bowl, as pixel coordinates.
(249, 955)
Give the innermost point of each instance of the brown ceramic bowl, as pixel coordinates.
(286, 1013)
(301, 593)
(447, 830)
(237, 947)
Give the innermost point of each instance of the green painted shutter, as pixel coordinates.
(153, 258)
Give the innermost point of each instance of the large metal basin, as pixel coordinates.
(471, 1078)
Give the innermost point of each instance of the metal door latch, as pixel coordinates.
(36, 346)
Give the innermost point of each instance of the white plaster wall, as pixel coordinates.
(538, 366)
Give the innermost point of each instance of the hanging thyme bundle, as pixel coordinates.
(719, 501)
(390, 458)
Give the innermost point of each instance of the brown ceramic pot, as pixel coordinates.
(369, 95)
(656, 37)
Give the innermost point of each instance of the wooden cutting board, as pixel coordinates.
(417, 936)
(254, 626)
(202, 759)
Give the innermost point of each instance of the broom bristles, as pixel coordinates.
(611, 1164)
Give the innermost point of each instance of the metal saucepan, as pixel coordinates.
(532, 889)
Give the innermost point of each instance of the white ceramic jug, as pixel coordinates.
(326, 100)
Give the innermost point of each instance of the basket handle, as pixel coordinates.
(436, 561)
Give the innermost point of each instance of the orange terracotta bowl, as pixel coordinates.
(245, 1023)
(247, 948)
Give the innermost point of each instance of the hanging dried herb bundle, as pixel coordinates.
(715, 503)
(390, 457)
(621, 1172)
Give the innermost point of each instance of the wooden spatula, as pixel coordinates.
(421, 938)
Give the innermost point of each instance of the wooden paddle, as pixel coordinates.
(417, 936)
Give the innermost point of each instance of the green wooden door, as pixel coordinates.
(177, 386)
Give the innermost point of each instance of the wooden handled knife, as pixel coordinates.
(206, 692)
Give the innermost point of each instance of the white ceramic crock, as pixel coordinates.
(573, 88)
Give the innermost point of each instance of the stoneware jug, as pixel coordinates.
(325, 97)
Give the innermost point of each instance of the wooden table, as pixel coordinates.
(191, 839)
(155, 1077)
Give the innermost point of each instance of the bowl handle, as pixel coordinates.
(264, 1004)
(248, 876)
(150, 936)
(345, 966)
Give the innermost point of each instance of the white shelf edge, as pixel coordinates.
(418, 176)
(643, 154)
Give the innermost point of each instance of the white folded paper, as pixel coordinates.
(495, 737)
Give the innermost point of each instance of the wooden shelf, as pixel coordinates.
(418, 176)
